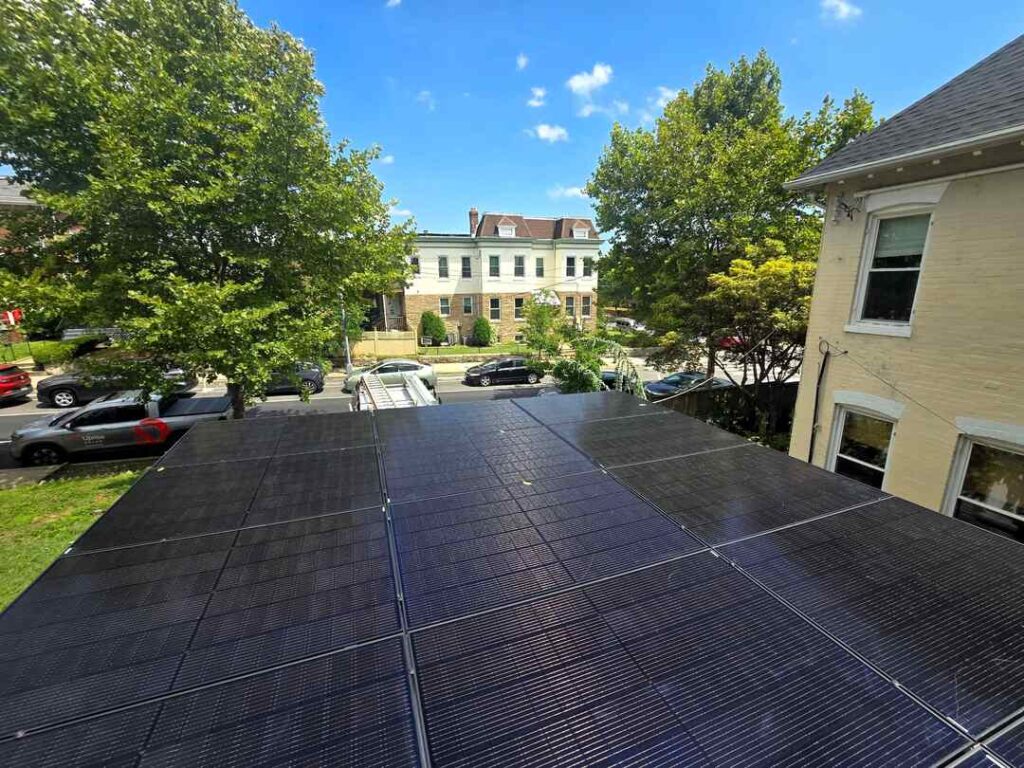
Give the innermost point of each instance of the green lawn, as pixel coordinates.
(509, 348)
(12, 352)
(38, 522)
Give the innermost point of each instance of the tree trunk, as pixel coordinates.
(709, 373)
(237, 395)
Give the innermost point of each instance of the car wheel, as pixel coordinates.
(64, 398)
(531, 378)
(43, 455)
(485, 381)
(309, 386)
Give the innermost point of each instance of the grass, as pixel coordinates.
(38, 522)
(12, 352)
(508, 348)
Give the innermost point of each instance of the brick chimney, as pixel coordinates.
(474, 220)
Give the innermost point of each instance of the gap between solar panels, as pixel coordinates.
(714, 549)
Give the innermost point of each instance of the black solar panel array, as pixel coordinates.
(574, 580)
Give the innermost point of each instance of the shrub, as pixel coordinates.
(58, 352)
(483, 332)
(432, 327)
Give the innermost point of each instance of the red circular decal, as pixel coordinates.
(152, 431)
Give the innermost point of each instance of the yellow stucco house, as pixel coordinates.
(914, 375)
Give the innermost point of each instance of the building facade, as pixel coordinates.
(914, 373)
(493, 269)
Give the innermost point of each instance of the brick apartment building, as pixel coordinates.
(495, 267)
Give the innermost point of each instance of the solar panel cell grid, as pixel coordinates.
(727, 495)
(902, 586)
(496, 687)
(208, 442)
(585, 407)
(1010, 746)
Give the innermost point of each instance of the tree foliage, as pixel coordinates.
(180, 152)
(483, 332)
(685, 199)
(432, 327)
(545, 328)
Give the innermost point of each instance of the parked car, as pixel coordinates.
(624, 324)
(509, 370)
(115, 423)
(390, 372)
(305, 377)
(14, 383)
(610, 379)
(679, 382)
(67, 390)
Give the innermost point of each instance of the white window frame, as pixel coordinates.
(570, 301)
(836, 438)
(506, 230)
(581, 233)
(518, 305)
(538, 267)
(570, 260)
(470, 298)
(491, 309)
(519, 267)
(442, 303)
(491, 260)
(585, 306)
(858, 324)
(1002, 437)
(588, 266)
(414, 262)
(442, 260)
(466, 261)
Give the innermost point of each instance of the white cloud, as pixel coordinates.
(585, 83)
(656, 104)
(392, 3)
(559, 192)
(537, 97)
(521, 61)
(840, 10)
(387, 160)
(664, 96)
(617, 107)
(427, 99)
(622, 107)
(401, 213)
(549, 133)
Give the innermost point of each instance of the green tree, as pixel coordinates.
(545, 328)
(214, 222)
(685, 199)
(483, 332)
(432, 327)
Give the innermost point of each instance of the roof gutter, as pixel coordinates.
(928, 153)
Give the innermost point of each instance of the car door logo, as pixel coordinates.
(151, 430)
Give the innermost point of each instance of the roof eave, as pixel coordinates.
(813, 180)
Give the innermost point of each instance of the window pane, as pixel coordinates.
(588, 267)
(467, 305)
(570, 266)
(467, 267)
(900, 241)
(986, 518)
(540, 267)
(890, 295)
(872, 477)
(995, 478)
(495, 266)
(866, 439)
(586, 306)
(442, 266)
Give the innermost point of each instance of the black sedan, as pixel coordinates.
(305, 377)
(67, 390)
(679, 382)
(509, 370)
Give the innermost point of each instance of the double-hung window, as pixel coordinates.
(520, 266)
(570, 305)
(467, 266)
(585, 310)
(495, 263)
(989, 488)
(518, 314)
(442, 267)
(540, 266)
(588, 267)
(467, 305)
(495, 309)
(890, 275)
(570, 266)
(445, 305)
(861, 446)
(415, 262)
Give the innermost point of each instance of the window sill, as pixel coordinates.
(880, 329)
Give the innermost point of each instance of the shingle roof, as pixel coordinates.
(11, 193)
(984, 102)
(541, 229)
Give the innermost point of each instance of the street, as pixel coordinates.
(331, 400)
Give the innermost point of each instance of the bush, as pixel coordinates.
(432, 327)
(483, 332)
(59, 352)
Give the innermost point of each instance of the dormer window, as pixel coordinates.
(581, 232)
(506, 230)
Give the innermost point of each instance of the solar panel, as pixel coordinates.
(725, 495)
(935, 603)
(634, 669)
(515, 587)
